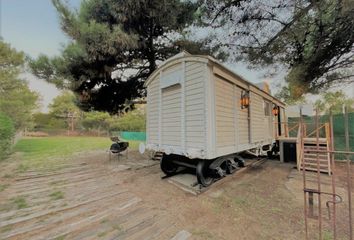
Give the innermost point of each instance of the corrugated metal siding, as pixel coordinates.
(171, 116)
(268, 120)
(153, 111)
(171, 69)
(242, 119)
(268, 127)
(225, 112)
(257, 118)
(195, 105)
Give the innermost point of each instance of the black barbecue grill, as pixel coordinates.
(117, 147)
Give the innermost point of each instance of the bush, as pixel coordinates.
(7, 132)
(132, 121)
(44, 121)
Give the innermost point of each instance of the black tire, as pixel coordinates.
(229, 167)
(270, 154)
(204, 174)
(240, 161)
(167, 166)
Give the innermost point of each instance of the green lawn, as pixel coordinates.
(51, 151)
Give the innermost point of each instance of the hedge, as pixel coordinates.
(132, 122)
(7, 132)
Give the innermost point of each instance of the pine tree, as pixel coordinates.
(312, 39)
(116, 45)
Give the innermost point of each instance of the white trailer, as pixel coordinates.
(199, 110)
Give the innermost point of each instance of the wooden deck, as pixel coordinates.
(80, 201)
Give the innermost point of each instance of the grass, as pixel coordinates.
(62, 237)
(276, 210)
(101, 234)
(7, 175)
(58, 182)
(48, 147)
(240, 201)
(47, 152)
(327, 235)
(56, 195)
(103, 221)
(202, 234)
(22, 168)
(20, 202)
(3, 187)
(6, 229)
(118, 227)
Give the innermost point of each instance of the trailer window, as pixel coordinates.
(266, 106)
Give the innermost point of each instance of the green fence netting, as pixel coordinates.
(134, 136)
(338, 130)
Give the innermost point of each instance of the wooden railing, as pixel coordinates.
(293, 128)
(285, 127)
(314, 131)
(299, 146)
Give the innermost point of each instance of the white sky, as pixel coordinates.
(46, 90)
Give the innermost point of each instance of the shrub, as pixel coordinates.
(7, 132)
(131, 121)
(43, 121)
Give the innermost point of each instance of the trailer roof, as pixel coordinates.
(206, 59)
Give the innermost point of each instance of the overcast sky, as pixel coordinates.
(32, 26)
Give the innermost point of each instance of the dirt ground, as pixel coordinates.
(91, 197)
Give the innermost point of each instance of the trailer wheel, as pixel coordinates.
(240, 161)
(168, 167)
(230, 167)
(204, 174)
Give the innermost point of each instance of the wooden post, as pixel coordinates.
(72, 122)
(349, 177)
(67, 120)
(332, 169)
(311, 210)
(303, 172)
(286, 129)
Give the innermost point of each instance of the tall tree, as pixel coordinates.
(116, 45)
(64, 104)
(313, 39)
(16, 99)
(64, 107)
(334, 101)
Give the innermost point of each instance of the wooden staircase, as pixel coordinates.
(309, 152)
(311, 156)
